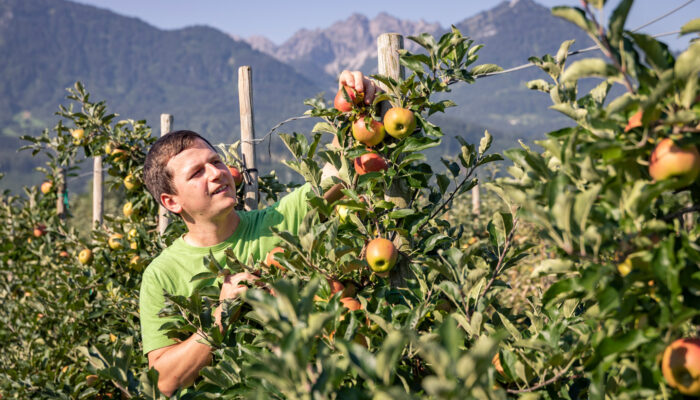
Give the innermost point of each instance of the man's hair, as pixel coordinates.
(156, 175)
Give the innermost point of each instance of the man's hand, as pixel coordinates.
(232, 288)
(359, 82)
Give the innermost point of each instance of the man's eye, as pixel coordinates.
(199, 171)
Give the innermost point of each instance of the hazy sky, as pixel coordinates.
(279, 19)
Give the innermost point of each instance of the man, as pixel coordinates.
(184, 173)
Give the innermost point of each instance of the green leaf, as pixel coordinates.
(540, 84)
(576, 16)
(443, 182)
(688, 63)
(617, 21)
(690, 27)
(484, 69)
(620, 344)
(587, 68)
(657, 53)
(563, 51)
(485, 143)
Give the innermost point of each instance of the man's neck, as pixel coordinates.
(210, 233)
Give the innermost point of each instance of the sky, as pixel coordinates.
(278, 20)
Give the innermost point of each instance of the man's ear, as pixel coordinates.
(171, 203)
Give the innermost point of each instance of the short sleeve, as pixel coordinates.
(294, 207)
(151, 301)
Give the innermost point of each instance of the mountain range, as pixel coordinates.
(142, 71)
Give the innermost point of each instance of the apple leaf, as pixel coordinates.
(587, 68)
(483, 69)
(576, 16)
(690, 27)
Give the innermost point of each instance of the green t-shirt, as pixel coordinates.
(174, 268)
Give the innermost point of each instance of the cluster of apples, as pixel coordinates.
(398, 122)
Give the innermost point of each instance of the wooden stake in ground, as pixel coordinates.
(166, 122)
(388, 46)
(476, 201)
(245, 100)
(61, 193)
(97, 198)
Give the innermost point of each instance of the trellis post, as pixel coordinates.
(245, 101)
(388, 46)
(97, 198)
(166, 122)
(476, 205)
(61, 193)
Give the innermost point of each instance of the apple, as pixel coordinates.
(133, 245)
(91, 380)
(496, 361)
(668, 159)
(85, 256)
(237, 176)
(635, 121)
(115, 241)
(351, 303)
(368, 136)
(342, 104)
(128, 209)
(335, 286)
(369, 162)
(119, 154)
(39, 230)
(46, 187)
(399, 122)
(343, 213)
(63, 254)
(381, 255)
(130, 182)
(681, 366)
(78, 134)
(135, 262)
(133, 233)
(270, 259)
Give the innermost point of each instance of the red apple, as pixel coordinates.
(635, 121)
(39, 230)
(237, 176)
(369, 162)
(681, 366)
(351, 303)
(668, 159)
(270, 259)
(399, 122)
(46, 187)
(381, 255)
(371, 136)
(342, 104)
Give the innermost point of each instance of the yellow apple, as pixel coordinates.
(399, 122)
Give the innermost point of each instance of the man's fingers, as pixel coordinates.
(244, 277)
(346, 78)
(358, 80)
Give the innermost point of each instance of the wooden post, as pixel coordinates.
(60, 193)
(245, 100)
(476, 202)
(97, 191)
(388, 46)
(166, 122)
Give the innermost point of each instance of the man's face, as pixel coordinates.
(204, 185)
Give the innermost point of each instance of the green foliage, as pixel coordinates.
(578, 273)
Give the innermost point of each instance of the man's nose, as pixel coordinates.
(212, 171)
